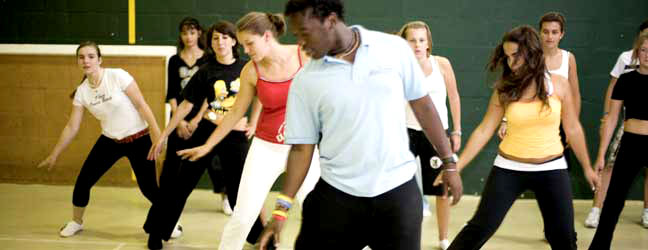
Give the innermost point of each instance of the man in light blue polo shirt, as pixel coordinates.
(348, 101)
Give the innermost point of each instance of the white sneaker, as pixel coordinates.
(426, 213)
(592, 220)
(70, 229)
(227, 209)
(444, 244)
(644, 218)
(177, 231)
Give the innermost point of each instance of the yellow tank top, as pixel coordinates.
(533, 130)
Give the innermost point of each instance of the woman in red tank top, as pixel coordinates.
(267, 76)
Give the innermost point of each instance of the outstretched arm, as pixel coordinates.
(68, 133)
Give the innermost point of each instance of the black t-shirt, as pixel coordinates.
(631, 88)
(179, 74)
(217, 82)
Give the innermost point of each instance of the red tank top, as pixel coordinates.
(273, 96)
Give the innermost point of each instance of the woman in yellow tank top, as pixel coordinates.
(530, 155)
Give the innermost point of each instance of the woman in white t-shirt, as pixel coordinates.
(128, 129)
(441, 83)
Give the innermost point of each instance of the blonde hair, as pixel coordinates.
(417, 25)
(258, 23)
(641, 38)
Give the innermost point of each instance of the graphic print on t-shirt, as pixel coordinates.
(185, 74)
(99, 99)
(225, 95)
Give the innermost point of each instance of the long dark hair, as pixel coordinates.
(82, 45)
(189, 23)
(226, 28)
(511, 85)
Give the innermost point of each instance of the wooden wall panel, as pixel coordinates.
(35, 106)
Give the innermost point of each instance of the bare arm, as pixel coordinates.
(135, 95)
(428, 117)
(573, 84)
(608, 123)
(182, 111)
(254, 117)
(573, 129)
(69, 132)
(608, 95)
(196, 119)
(483, 132)
(174, 105)
(455, 102)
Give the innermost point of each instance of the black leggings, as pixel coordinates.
(103, 156)
(629, 162)
(553, 193)
(232, 151)
(172, 163)
(421, 147)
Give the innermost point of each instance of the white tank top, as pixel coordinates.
(563, 70)
(435, 84)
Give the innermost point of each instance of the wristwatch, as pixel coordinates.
(451, 159)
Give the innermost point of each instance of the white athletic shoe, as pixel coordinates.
(592, 220)
(71, 228)
(177, 231)
(426, 213)
(644, 218)
(444, 244)
(227, 209)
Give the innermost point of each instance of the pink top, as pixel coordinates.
(273, 96)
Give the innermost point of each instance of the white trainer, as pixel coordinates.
(644, 218)
(177, 231)
(227, 209)
(444, 244)
(592, 219)
(71, 228)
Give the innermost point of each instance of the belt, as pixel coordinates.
(133, 137)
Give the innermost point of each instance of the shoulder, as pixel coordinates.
(443, 62)
(248, 73)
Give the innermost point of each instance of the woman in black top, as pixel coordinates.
(216, 83)
(182, 67)
(629, 92)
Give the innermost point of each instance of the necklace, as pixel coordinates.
(354, 46)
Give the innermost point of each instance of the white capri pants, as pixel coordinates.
(264, 163)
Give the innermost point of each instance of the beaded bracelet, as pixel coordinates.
(279, 215)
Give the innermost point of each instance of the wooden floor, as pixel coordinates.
(32, 215)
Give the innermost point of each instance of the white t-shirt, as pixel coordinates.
(624, 64)
(110, 104)
(563, 70)
(436, 87)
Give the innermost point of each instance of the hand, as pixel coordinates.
(452, 182)
(193, 154)
(455, 141)
(155, 150)
(249, 131)
(50, 161)
(193, 125)
(592, 178)
(183, 130)
(273, 229)
(599, 165)
(502, 130)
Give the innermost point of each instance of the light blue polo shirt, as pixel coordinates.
(356, 110)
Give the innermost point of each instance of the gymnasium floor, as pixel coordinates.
(32, 215)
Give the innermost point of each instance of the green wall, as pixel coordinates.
(464, 31)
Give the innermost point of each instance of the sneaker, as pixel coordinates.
(177, 231)
(227, 209)
(426, 213)
(592, 220)
(644, 218)
(444, 244)
(70, 229)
